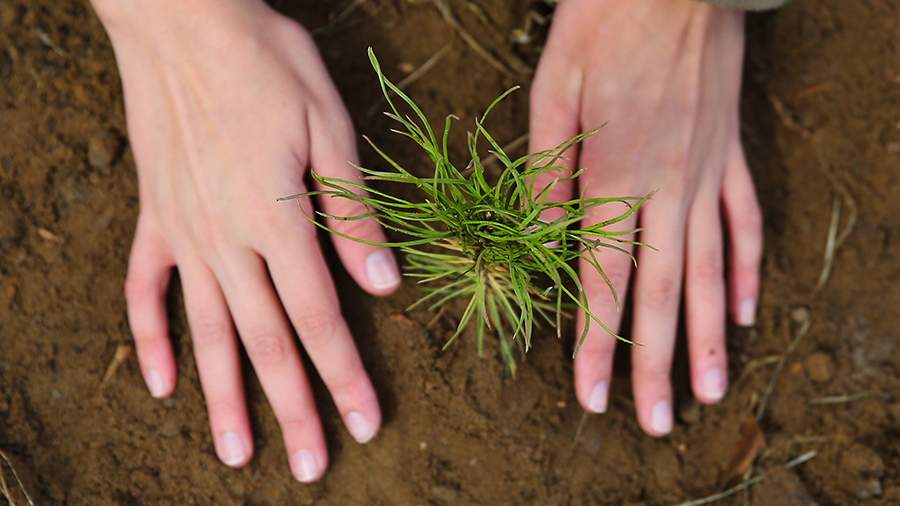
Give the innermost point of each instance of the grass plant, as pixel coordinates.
(483, 236)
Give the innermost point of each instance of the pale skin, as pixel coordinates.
(229, 104)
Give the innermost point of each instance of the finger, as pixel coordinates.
(746, 237)
(553, 119)
(656, 301)
(218, 361)
(308, 294)
(149, 268)
(333, 154)
(704, 294)
(269, 343)
(594, 360)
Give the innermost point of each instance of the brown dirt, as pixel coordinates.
(822, 96)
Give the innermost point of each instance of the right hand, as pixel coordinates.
(228, 103)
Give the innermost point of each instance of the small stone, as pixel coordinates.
(4, 405)
(864, 469)
(800, 315)
(819, 367)
(103, 149)
(689, 412)
(868, 489)
(446, 494)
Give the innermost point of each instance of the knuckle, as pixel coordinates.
(597, 350)
(207, 332)
(749, 220)
(618, 275)
(208, 231)
(266, 347)
(146, 340)
(296, 423)
(358, 228)
(222, 407)
(547, 98)
(707, 269)
(652, 370)
(317, 325)
(662, 293)
(347, 384)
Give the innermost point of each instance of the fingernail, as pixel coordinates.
(233, 451)
(155, 383)
(597, 402)
(382, 270)
(713, 384)
(305, 467)
(360, 428)
(661, 417)
(747, 312)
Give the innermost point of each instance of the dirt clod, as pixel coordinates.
(9, 13)
(782, 487)
(104, 148)
(448, 495)
(864, 469)
(819, 367)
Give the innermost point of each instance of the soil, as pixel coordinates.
(821, 125)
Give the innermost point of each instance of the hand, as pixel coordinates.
(225, 115)
(666, 76)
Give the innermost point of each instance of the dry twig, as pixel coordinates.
(747, 483)
(123, 351)
(341, 16)
(5, 491)
(802, 317)
(467, 37)
(415, 75)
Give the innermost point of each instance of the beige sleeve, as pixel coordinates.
(749, 5)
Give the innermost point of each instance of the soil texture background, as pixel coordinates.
(821, 125)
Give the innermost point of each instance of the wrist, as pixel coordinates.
(154, 22)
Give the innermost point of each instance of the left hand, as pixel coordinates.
(666, 76)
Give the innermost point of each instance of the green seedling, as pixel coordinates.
(484, 236)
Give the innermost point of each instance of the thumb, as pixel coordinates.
(333, 154)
